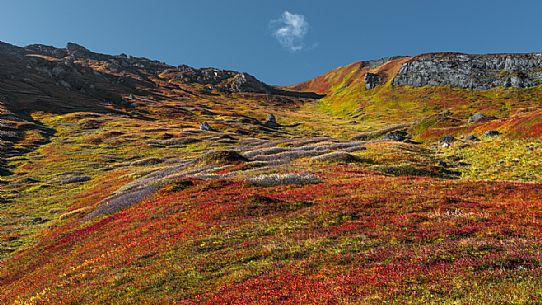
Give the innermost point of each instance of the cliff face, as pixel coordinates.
(477, 72)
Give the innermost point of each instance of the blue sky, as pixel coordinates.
(278, 41)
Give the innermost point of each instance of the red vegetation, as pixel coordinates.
(355, 238)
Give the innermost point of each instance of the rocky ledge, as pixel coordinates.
(478, 72)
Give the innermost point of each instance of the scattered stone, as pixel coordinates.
(206, 90)
(271, 121)
(398, 135)
(372, 80)
(38, 220)
(442, 163)
(477, 117)
(167, 136)
(472, 138)
(205, 127)
(242, 132)
(448, 139)
(491, 133)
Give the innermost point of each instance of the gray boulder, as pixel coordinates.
(491, 133)
(398, 135)
(271, 121)
(205, 126)
(472, 138)
(477, 117)
(448, 139)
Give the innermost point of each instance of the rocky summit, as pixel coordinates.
(217, 79)
(403, 180)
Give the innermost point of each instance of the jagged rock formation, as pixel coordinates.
(90, 79)
(479, 72)
(221, 80)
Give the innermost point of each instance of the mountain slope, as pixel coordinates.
(130, 181)
(416, 89)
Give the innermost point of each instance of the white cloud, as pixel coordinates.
(290, 30)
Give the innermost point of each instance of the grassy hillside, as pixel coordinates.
(132, 203)
(347, 97)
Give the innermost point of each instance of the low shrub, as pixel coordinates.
(221, 157)
(406, 170)
(177, 185)
(337, 157)
(148, 161)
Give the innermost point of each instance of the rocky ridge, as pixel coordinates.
(478, 72)
(108, 77)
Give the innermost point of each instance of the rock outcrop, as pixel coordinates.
(222, 80)
(75, 77)
(478, 72)
(371, 80)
